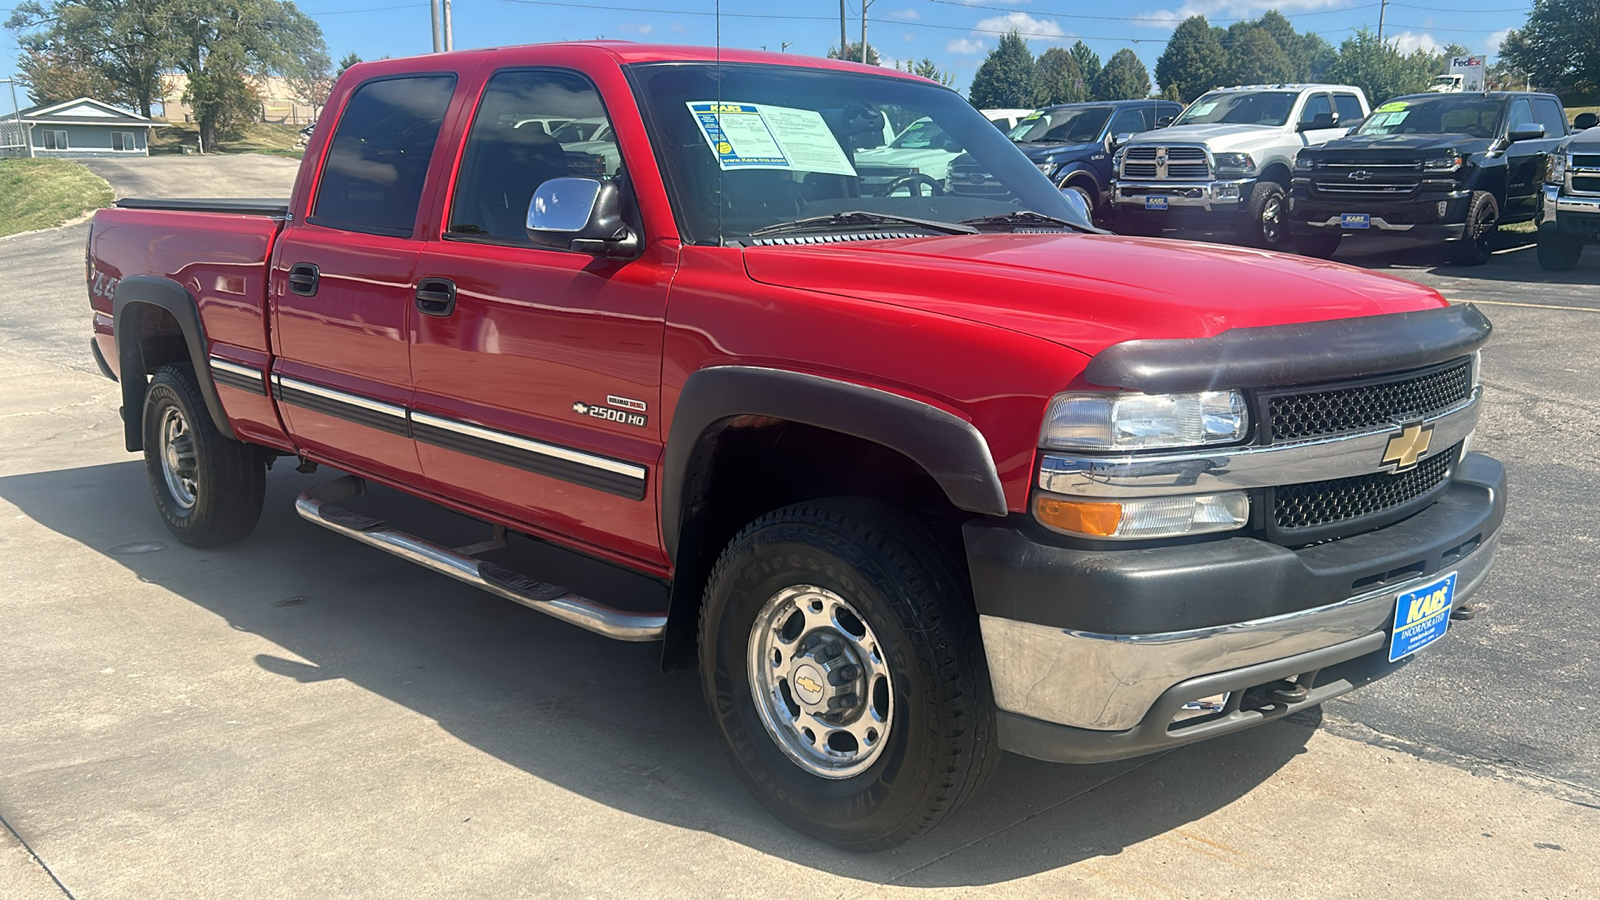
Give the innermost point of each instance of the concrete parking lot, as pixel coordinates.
(296, 715)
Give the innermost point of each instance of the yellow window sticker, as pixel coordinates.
(757, 136)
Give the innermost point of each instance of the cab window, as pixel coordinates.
(378, 159)
(1316, 105)
(1129, 121)
(1548, 113)
(531, 126)
(1348, 106)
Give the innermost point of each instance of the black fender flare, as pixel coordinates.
(135, 297)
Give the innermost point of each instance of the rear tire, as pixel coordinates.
(1266, 221)
(1477, 237)
(841, 664)
(1321, 245)
(208, 489)
(1559, 252)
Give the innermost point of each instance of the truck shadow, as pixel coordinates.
(598, 718)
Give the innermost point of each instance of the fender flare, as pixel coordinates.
(949, 448)
(136, 296)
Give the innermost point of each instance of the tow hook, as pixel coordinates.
(306, 466)
(1274, 693)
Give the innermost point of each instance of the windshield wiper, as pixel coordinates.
(1029, 217)
(856, 218)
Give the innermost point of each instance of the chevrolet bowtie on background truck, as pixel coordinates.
(912, 477)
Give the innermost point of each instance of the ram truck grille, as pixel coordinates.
(1321, 412)
(1322, 503)
(1182, 163)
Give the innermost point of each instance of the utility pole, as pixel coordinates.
(844, 38)
(449, 29)
(433, 16)
(1383, 7)
(865, 4)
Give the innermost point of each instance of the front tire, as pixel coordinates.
(1266, 220)
(208, 489)
(840, 661)
(1477, 237)
(1559, 252)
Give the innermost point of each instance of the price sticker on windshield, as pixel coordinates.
(758, 136)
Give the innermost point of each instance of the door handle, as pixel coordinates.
(436, 296)
(303, 279)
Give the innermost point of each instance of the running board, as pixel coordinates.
(318, 505)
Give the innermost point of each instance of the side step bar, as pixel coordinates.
(317, 505)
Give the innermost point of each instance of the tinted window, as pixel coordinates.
(1468, 114)
(1240, 108)
(1521, 115)
(1072, 125)
(1548, 113)
(511, 149)
(378, 159)
(1348, 106)
(1130, 121)
(1316, 105)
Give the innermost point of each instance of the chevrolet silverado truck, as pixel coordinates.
(1225, 163)
(1449, 167)
(919, 477)
(1569, 200)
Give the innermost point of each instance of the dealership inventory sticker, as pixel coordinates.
(757, 136)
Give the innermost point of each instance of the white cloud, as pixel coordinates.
(1495, 39)
(1408, 41)
(677, 28)
(908, 36)
(1023, 24)
(641, 30)
(964, 45)
(905, 15)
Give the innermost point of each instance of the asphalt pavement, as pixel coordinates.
(297, 715)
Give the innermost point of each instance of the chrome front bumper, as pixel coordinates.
(1212, 196)
(1108, 682)
(1553, 202)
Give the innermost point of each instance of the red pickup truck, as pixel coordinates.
(921, 475)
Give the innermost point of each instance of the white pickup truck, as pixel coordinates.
(1226, 161)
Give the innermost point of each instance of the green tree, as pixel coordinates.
(1558, 47)
(313, 81)
(1005, 79)
(1194, 61)
(1088, 62)
(1123, 78)
(1316, 54)
(1056, 79)
(57, 75)
(1379, 69)
(929, 70)
(852, 53)
(1254, 57)
(120, 41)
(346, 62)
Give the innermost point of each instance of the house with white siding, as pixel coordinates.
(86, 127)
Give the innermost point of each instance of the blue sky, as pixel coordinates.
(956, 34)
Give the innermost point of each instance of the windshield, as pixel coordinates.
(1081, 125)
(1437, 114)
(1239, 108)
(746, 147)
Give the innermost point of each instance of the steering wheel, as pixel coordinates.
(912, 182)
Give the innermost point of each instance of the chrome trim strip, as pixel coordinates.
(1240, 468)
(316, 505)
(1378, 222)
(1569, 203)
(1109, 682)
(499, 437)
(235, 368)
(295, 384)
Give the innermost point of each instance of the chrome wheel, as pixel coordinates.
(178, 458)
(1272, 221)
(820, 681)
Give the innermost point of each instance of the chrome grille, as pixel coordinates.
(1322, 503)
(1586, 184)
(1586, 161)
(1336, 410)
(1366, 190)
(1183, 163)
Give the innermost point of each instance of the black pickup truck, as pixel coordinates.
(1569, 211)
(1437, 167)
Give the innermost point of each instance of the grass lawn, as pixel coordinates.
(275, 140)
(43, 193)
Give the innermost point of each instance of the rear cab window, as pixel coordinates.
(1348, 106)
(377, 161)
(1548, 113)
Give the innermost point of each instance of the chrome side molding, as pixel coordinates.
(319, 505)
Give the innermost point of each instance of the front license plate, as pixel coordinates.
(1355, 220)
(1422, 616)
(1155, 203)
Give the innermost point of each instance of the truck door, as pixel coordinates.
(1318, 104)
(342, 281)
(1523, 161)
(538, 372)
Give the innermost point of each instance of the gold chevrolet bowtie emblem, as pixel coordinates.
(809, 684)
(1407, 447)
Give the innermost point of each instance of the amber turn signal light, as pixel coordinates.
(1080, 517)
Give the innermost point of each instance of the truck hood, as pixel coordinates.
(1088, 292)
(1586, 141)
(1410, 144)
(1060, 152)
(1216, 137)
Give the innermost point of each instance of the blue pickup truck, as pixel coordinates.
(1072, 143)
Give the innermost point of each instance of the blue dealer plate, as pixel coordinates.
(1355, 220)
(1422, 616)
(1155, 203)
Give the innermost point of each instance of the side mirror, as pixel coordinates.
(1525, 133)
(1164, 121)
(1121, 139)
(1317, 123)
(582, 215)
(1585, 120)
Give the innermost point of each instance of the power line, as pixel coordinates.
(1160, 20)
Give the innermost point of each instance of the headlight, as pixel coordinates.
(1558, 168)
(1116, 160)
(1111, 421)
(1235, 164)
(1442, 163)
(1304, 164)
(1044, 167)
(1152, 517)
